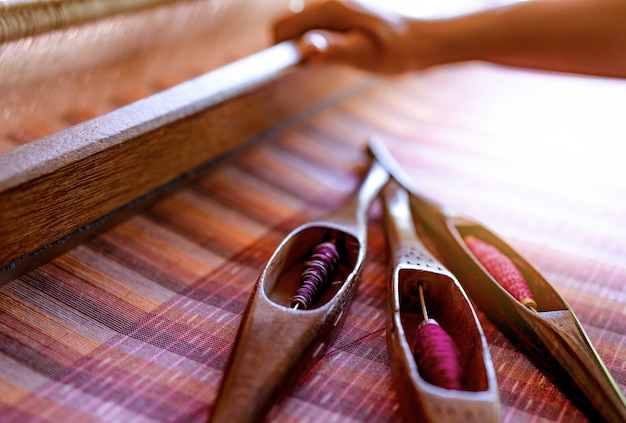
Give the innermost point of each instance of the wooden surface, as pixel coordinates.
(58, 184)
(137, 323)
(77, 99)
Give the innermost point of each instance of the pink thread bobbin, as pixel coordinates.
(503, 270)
(316, 275)
(435, 353)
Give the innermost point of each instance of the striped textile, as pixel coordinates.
(137, 324)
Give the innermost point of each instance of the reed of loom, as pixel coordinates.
(548, 332)
(425, 393)
(109, 104)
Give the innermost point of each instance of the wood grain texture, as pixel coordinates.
(53, 186)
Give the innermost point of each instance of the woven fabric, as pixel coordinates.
(137, 324)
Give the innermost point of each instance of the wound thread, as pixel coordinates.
(316, 275)
(436, 356)
(435, 352)
(503, 270)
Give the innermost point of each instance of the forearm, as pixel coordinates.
(579, 36)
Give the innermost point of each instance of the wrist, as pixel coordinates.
(457, 39)
(436, 42)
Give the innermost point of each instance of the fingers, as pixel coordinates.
(314, 44)
(295, 25)
(330, 15)
(353, 48)
(345, 32)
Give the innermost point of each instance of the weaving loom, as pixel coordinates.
(121, 295)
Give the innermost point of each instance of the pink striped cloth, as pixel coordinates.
(137, 324)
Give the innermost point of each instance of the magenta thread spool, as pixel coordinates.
(503, 270)
(435, 353)
(316, 275)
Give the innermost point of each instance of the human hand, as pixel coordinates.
(351, 33)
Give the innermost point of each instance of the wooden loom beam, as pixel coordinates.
(58, 184)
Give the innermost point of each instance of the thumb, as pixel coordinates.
(352, 48)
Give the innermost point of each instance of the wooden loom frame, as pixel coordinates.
(57, 190)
